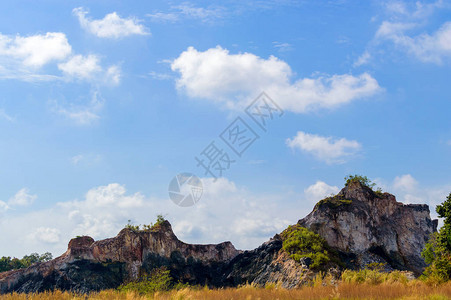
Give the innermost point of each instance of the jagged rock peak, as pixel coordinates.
(354, 190)
(371, 226)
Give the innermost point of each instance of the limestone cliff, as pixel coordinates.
(363, 226)
(373, 227)
(89, 265)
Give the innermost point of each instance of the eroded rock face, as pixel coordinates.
(90, 265)
(265, 265)
(370, 227)
(361, 225)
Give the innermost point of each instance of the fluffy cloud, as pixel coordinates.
(46, 235)
(405, 183)
(401, 27)
(433, 47)
(35, 50)
(88, 68)
(232, 80)
(319, 191)
(111, 26)
(81, 66)
(326, 149)
(22, 198)
(225, 212)
(24, 58)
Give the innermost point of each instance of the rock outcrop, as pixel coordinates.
(90, 265)
(361, 225)
(366, 227)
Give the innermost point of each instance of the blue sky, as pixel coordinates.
(104, 102)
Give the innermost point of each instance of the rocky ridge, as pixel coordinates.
(363, 226)
(367, 227)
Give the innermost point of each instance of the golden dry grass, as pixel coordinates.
(412, 290)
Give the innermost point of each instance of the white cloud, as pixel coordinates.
(113, 75)
(113, 194)
(3, 206)
(433, 47)
(232, 80)
(81, 66)
(24, 58)
(225, 212)
(326, 149)
(22, 198)
(46, 235)
(282, 47)
(405, 183)
(319, 191)
(111, 26)
(88, 68)
(402, 27)
(35, 50)
(362, 59)
(82, 114)
(188, 10)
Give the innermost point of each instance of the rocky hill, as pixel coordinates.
(361, 225)
(366, 227)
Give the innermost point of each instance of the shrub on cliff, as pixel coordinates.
(301, 243)
(363, 180)
(437, 252)
(145, 227)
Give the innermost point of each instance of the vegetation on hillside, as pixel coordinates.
(333, 202)
(145, 227)
(299, 243)
(7, 263)
(437, 252)
(365, 181)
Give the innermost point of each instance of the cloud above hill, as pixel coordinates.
(233, 80)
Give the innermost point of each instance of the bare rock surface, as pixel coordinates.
(361, 225)
(90, 265)
(373, 227)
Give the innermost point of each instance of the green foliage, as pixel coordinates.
(160, 219)
(300, 242)
(159, 280)
(333, 202)
(134, 228)
(365, 181)
(444, 211)
(8, 263)
(145, 227)
(373, 274)
(437, 252)
(375, 266)
(359, 178)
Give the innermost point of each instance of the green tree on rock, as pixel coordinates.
(437, 252)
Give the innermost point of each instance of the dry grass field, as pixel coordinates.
(412, 290)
